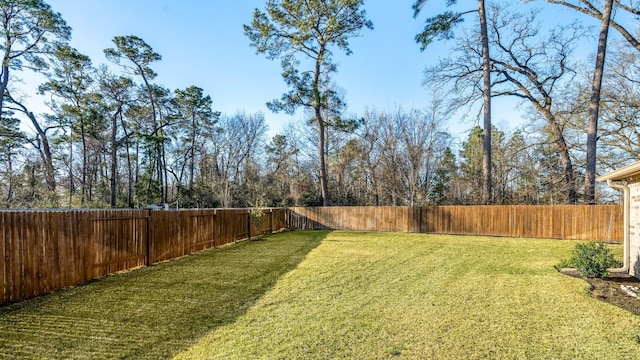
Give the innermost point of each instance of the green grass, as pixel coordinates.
(321, 295)
(411, 296)
(154, 312)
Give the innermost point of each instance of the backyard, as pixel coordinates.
(340, 294)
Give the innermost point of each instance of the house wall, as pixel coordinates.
(634, 229)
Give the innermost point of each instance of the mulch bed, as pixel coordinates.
(609, 290)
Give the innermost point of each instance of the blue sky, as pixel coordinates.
(202, 43)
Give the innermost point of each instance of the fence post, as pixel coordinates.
(147, 258)
(214, 229)
(249, 224)
(271, 221)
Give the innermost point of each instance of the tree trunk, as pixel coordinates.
(85, 164)
(158, 147)
(594, 106)
(136, 181)
(9, 197)
(47, 158)
(72, 188)
(165, 175)
(114, 160)
(487, 187)
(4, 81)
(324, 188)
(565, 158)
(131, 178)
(192, 151)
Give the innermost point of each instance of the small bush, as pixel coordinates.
(565, 263)
(593, 259)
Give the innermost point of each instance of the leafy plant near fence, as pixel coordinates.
(592, 259)
(257, 213)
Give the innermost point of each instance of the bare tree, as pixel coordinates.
(536, 71)
(398, 154)
(620, 116)
(590, 8)
(236, 148)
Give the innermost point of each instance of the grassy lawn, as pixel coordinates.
(329, 295)
(154, 312)
(411, 296)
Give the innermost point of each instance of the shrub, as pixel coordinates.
(592, 259)
(565, 263)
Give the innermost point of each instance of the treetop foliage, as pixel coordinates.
(437, 27)
(114, 137)
(29, 30)
(291, 26)
(135, 50)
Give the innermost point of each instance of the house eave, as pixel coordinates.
(623, 174)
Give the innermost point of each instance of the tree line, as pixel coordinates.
(114, 137)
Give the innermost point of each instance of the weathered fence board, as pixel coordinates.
(44, 251)
(580, 222)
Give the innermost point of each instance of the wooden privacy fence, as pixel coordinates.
(579, 222)
(43, 251)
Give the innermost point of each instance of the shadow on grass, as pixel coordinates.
(154, 312)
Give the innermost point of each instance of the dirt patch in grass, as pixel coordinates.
(610, 289)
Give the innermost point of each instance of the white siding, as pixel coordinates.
(634, 230)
